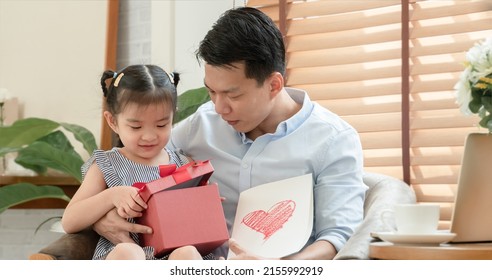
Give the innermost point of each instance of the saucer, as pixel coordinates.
(429, 239)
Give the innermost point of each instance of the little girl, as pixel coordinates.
(141, 102)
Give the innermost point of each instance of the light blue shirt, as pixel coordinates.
(314, 140)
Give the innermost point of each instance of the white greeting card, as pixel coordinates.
(276, 219)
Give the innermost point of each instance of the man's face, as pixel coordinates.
(238, 100)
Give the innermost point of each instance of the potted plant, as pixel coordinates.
(42, 144)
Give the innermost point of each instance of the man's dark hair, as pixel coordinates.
(245, 35)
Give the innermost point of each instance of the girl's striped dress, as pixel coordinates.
(120, 171)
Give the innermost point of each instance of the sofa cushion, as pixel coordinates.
(383, 192)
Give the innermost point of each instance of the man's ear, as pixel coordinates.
(276, 83)
(110, 120)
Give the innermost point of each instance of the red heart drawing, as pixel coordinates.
(270, 222)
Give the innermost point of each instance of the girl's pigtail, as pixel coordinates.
(106, 75)
(175, 78)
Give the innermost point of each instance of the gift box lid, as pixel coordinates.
(193, 174)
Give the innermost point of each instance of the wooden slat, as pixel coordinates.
(442, 67)
(380, 140)
(435, 174)
(360, 106)
(342, 39)
(382, 157)
(393, 171)
(261, 3)
(321, 8)
(435, 192)
(449, 43)
(442, 84)
(461, 26)
(343, 73)
(444, 225)
(272, 12)
(349, 55)
(439, 137)
(345, 90)
(375, 122)
(344, 22)
(426, 105)
(446, 211)
(442, 119)
(438, 9)
(443, 155)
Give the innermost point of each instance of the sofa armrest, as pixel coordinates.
(73, 246)
(383, 192)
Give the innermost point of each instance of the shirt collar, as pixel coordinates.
(288, 126)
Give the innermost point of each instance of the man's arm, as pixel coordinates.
(117, 229)
(319, 250)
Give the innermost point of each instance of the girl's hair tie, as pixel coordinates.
(118, 79)
(171, 77)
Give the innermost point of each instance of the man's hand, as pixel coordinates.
(319, 250)
(117, 229)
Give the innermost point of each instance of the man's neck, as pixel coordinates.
(284, 108)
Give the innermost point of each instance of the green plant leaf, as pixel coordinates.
(24, 132)
(487, 103)
(484, 122)
(46, 155)
(82, 135)
(189, 101)
(476, 101)
(15, 194)
(58, 140)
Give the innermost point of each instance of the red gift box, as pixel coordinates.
(183, 209)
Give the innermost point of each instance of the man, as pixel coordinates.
(256, 131)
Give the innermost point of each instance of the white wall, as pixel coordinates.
(177, 28)
(51, 55)
(52, 52)
(194, 17)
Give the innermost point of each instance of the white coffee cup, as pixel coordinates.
(413, 218)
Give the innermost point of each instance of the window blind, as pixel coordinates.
(440, 34)
(348, 56)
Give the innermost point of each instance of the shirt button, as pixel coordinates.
(245, 165)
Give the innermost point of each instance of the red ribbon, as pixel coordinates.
(180, 174)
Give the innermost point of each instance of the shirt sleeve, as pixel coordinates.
(339, 191)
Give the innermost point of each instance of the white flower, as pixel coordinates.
(473, 79)
(463, 91)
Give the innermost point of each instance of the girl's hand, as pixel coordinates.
(128, 202)
(241, 253)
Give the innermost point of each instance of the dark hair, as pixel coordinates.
(245, 35)
(139, 84)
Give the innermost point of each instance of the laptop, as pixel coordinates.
(472, 213)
